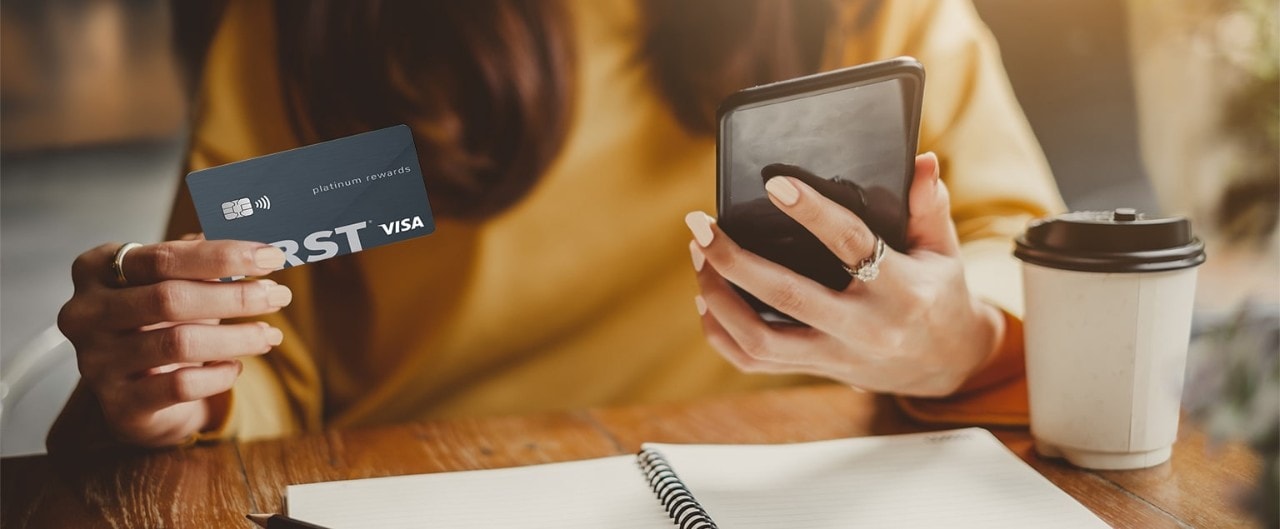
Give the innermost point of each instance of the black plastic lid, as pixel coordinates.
(1122, 240)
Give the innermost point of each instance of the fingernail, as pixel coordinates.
(269, 258)
(274, 336)
(782, 189)
(700, 224)
(701, 304)
(279, 295)
(239, 367)
(936, 167)
(699, 258)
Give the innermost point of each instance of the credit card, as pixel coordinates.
(320, 201)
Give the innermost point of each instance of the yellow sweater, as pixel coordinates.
(582, 294)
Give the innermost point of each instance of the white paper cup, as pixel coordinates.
(1108, 318)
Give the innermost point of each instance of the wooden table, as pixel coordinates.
(214, 486)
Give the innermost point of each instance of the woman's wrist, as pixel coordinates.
(1000, 341)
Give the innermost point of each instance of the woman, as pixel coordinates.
(562, 143)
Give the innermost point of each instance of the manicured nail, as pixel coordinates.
(274, 336)
(269, 258)
(700, 224)
(701, 304)
(699, 258)
(279, 295)
(782, 189)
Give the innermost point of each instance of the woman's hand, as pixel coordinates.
(153, 352)
(914, 330)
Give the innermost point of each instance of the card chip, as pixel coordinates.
(237, 208)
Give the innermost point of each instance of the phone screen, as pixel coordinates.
(853, 143)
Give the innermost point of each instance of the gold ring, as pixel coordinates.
(869, 268)
(117, 265)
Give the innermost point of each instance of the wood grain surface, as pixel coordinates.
(1218, 475)
(214, 486)
(196, 487)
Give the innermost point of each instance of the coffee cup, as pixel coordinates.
(1109, 298)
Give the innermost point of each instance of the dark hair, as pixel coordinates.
(486, 85)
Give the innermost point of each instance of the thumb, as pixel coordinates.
(930, 227)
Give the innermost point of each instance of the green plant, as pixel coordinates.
(1249, 39)
(1233, 388)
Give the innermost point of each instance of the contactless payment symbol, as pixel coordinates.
(241, 208)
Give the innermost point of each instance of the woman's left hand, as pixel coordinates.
(915, 330)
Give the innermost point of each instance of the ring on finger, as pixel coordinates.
(117, 264)
(868, 269)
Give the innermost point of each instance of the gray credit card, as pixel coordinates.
(319, 201)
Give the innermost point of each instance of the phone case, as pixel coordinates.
(760, 227)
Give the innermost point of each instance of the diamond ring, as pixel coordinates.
(869, 268)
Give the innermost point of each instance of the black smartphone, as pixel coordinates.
(851, 134)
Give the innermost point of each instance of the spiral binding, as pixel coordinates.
(679, 503)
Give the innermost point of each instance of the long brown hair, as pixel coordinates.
(486, 85)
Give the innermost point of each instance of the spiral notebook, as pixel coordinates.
(957, 479)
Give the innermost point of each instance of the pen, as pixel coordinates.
(277, 521)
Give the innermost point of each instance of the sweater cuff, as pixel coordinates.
(995, 395)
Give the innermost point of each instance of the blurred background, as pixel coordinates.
(1169, 106)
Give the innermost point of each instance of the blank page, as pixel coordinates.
(955, 479)
(596, 493)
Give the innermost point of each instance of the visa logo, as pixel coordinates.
(402, 225)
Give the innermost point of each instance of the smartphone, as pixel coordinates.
(851, 134)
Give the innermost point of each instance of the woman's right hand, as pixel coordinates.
(154, 352)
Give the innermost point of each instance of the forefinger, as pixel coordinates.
(838, 228)
(199, 260)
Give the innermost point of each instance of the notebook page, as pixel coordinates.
(608, 492)
(956, 479)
